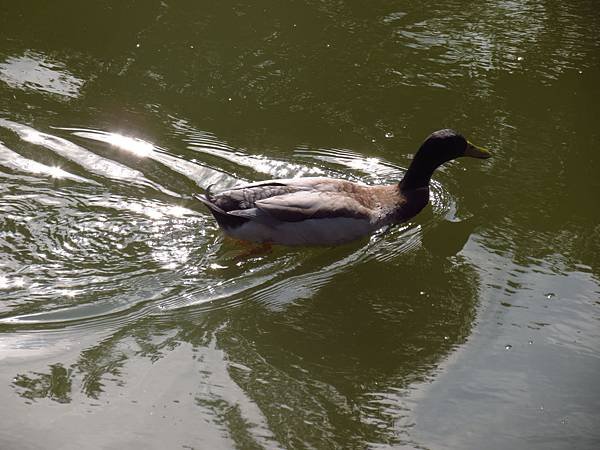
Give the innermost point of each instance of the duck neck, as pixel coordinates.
(419, 173)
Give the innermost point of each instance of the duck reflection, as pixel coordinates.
(447, 238)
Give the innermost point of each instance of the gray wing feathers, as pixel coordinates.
(312, 205)
(245, 198)
(287, 201)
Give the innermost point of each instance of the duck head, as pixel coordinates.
(440, 147)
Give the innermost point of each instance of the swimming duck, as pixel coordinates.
(329, 211)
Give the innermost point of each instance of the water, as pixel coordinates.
(127, 320)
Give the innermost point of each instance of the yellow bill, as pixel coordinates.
(476, 152)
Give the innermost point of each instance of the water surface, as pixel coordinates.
(127, 320)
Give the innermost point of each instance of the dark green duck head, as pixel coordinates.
(440, 147)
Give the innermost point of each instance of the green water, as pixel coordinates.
(128, 321)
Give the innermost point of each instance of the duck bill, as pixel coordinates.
(476, 152)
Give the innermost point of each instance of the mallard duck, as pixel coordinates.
(329, 211)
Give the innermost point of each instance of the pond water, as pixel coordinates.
(128, 321)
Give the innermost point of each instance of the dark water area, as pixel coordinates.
(128, 321)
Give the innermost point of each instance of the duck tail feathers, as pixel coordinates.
(224, 219)
(208, 201)
(208, 194)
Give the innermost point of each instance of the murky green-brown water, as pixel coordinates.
(127, 321)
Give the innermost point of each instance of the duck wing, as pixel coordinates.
(306, 204)
(245, 197)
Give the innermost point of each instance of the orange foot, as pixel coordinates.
(253, 249)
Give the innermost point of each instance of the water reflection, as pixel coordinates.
(34, 71)
(328, 381)
(448, 238)
(55, 385)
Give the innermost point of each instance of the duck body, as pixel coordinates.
(310, 211)
(331, 211)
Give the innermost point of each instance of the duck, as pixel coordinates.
(324, 211)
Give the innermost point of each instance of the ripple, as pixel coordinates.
(372, 170)
(90, 161)
(84, 258)
(202, 175)
(207, 144)
(16, 162)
